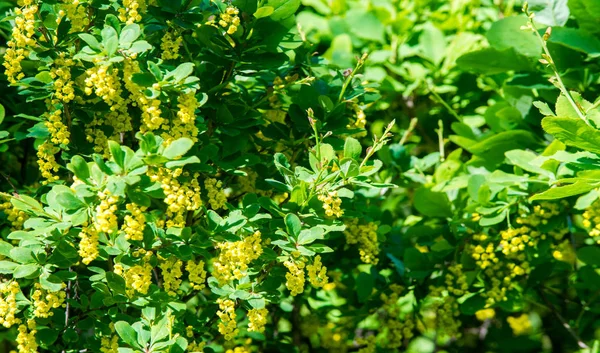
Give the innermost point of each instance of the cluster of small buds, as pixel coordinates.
(47, 162)
(317, 273)
(132, 11)
(591, 220)
(331, 204)
(137, 278)
(444, 312)
(180, 196)
(514, 240)
(366, 236)
(456, 280)
(228, 325)
(520, 325)
(22, 37)
(15, 217)
(106, 218)
(214, 192)
(88, 245)
(196, 274)
(170, 44)
(149, 107)
(257, 319)
(485, 314)
(564, 252)
(8, 303)
(234, 258)
(59, 133)
(195, 347)
(185, 124)
(44, 301)
(483, 255)
(171, 273)
(76, 12)
(134, 223)
(26, 337)
(230, 20)
(61, 74)
(295, 277)
(109, 344)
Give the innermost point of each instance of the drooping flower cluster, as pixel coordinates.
(14, 216)
(22, 37)
(132, 11)
(47, 161)
(485, 314)
(170, 44)
(229, 20)
(396, 329)
(180, 196)
(8, 303)
(228, 325)
(295, 277)
(366, 236)
(443, 312)
(137, 278)
(257, 319)
(331, 204)
(317, 273)
(235, 257)
(456, 280)
(88, 245)
(520, 325)
(214, 192)
(76, 12)
(591, 220)
(26, 338)
(171, 273)
(134, 223)
(106, 218)
(44, 301)
(196, 274)
(185, 124)
(149, 107)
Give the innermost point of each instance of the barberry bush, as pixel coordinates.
(306, 176)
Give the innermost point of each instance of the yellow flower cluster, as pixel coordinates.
(44, 301)
(591, 220)
(47, 161)
(180, 196)
(333, 338)
(226, 313)
(109, 344)
(95, 135)
(369, 344)
(361, 117)
(171, 273)
(366, 236)
(170, 44)
(59, 134)
(135, 223)
(22, 37)
(137, 278)
(131, 11)
(229, 20)
(485, 314)
(234, 258)
(26, 337)
(317, 273)
(519, 325)
(214, 192)
(185, 124)
(14, 216)
(76, 12)
(331, 204)
(195, 347)
(484, 256)
(106, 219)
(257, 319)
(564, 252)
(444, 311)
(8, 303)
(88, 246)
(456, 281)
(103, 81)
(61, 74)
(238, 350)
(396, 329)
(149, 107)
(515, 240)
(295, 276)
(196, 274)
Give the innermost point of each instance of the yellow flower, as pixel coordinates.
(485, 314)
(317, 273)
(520, 325)
(77, 14)
(22, 36)
(234, 258)
(106, 219)
(196, 274)
(132, 10)
(171, 272)
(564, 252)
(149, 107)
(8, 303)
(134, 224)
(137, 278)
(44, 301)
(295, 277)
(257, 319)
(170, 44)
(214, 192)
(366, 236)
(26, 337)
(15, 217)
(180, 196)
(47, 161)
(331, 204)
(194, 347)
(226, 313)
(109, 344)
(88, 246)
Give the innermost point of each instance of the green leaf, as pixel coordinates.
(283, 8)
(576, 39)
(2, 113)
(352, 148)
(562, 192)
(26, 271)
(364, 286)
(507, 33)
(293, 224)
(27, 204)
(307, 236)
(69, 201)
(90, 40)
(587, 13)
(79, 167)
(494, 61)
(178, 148)
(589, 255)
(7, 267)
(51, 282)
(432, 204)
(550, 12)
(129, 34)
(371, 28)
(181, 72)
(432, 43)
(117, 153)
(573, 132)
(264, 11)
(127, 334)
